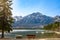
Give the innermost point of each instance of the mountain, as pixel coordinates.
(18, 18)
(57, 18)
(34, 20)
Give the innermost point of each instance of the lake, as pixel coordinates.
(24, 32)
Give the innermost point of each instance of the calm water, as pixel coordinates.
(14, 33)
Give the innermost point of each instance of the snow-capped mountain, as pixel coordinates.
(57, 18)
(18, 18)
(34, 20)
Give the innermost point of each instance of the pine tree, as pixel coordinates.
(6, 19)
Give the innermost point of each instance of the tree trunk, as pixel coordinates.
(2, 36)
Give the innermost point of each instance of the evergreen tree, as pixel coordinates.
(6, 19)
(54, 26)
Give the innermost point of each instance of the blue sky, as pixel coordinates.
(26, 7)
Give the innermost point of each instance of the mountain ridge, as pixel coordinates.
(34, 20)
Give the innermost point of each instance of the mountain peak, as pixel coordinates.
(57, 18)
(37, 13)
(34, 20)
(18, 18)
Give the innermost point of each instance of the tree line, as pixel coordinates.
(54, 26)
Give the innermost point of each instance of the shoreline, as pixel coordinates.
(32, 39)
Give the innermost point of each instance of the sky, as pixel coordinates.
(26, 7)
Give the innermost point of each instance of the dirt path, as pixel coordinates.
(34, 39)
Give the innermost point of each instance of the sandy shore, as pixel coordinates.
(34, 39)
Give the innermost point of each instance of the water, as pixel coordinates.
(25, 32)
(14, 33)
